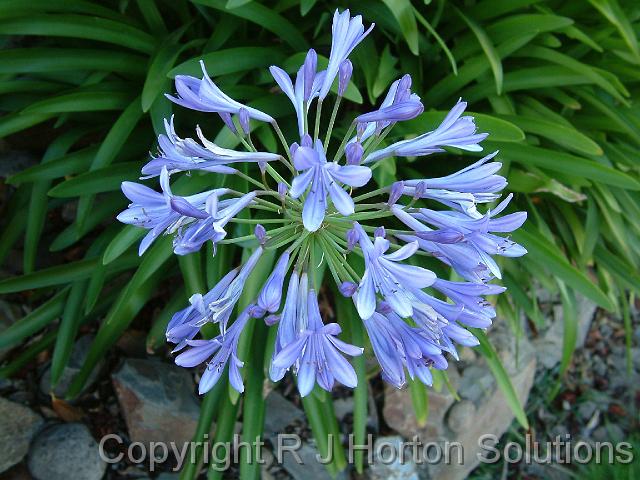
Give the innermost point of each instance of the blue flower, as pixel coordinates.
(219, 352)
(186, 323)
(347, 33)
(205, 96)
(316, 353)
(399, 104)
(155, 210)
(271, 293)
(454, 131)
(385, 274)
(325, 178)
(209, 225)
(397, 346)
(185, 154)
(305, 89)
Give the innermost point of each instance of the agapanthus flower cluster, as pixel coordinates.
(317, 207)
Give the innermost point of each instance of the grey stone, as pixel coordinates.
(586, 410)
(548, 346)
(478, 389)
(343, 407)
(19, 425)
(608, 433)
(399, 414)
(477, 382)
(390, 463)
(157, 400)
(461, 415)
(66, 451)
(308, 467)
(13, 162)
(76, 360)
(280, 413)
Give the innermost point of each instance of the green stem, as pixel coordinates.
(343, 145)
(317, 125)
(334, 112)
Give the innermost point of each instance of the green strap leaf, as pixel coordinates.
(547, 255)
(79, 26)
(266, 18)
(488, 48)
(47, 60)
(35, 321)
(403, 12)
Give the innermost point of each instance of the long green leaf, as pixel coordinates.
(547, 255)
(79, 26)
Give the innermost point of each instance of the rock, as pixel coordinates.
(586, 411)
(548, 346)
(280, 413)
(483, 410)
(157, 400)
(461, 415)
(635, 358)
(343, 407)
(308, 467)
(399, 415)
(477, 382)
(76, 360)
(12, 162)
(609, 433)
(66, 451)
(388, 463)
(19, 425)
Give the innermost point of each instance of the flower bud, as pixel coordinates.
(420, 188)
(344, 75)
(379, 232)
(282, 189)
(256, 312)
(260, 233)
(396, 192)
(228, 121)
(353, 237)
(347, 289)
(293, 148)
(309, 72)
(354, 153)
(243, 117)
(271, 319)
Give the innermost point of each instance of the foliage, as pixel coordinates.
(554, 83)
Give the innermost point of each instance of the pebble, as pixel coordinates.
(389, 464)
(157, 400)
(19, 425)
(64, 451)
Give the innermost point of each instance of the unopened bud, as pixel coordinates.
(354, 153)
(344, 75)
(347, 289)
(243, 117)
(260, 233)
(396, 192)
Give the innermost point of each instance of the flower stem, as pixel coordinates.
(327, 138)
(317, 125)
(343, 145)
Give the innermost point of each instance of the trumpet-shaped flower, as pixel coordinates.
(217, 353)
(385, 274)
(324, 178)
(347, 33)
(454, 131)
(316, 353)
(205, 96)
